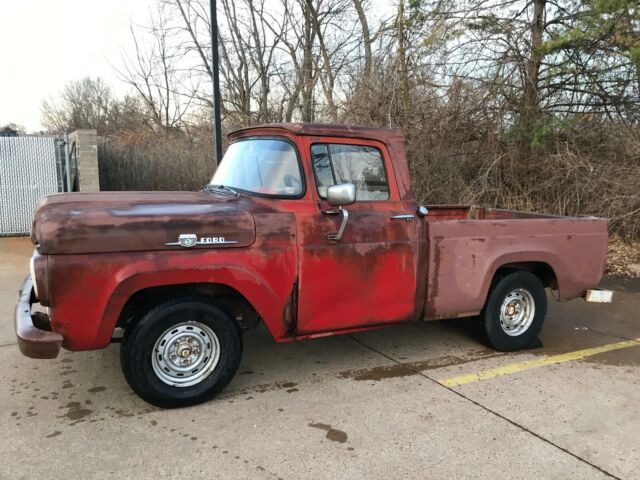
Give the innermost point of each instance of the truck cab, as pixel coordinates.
(354, 219)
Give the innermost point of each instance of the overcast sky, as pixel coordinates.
(46, 43)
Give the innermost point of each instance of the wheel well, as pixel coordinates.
(229, 298)
(541, 270)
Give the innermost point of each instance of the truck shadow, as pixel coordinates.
(80, 387)
(89, 387)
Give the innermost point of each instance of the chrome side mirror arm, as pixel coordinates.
(345, 219)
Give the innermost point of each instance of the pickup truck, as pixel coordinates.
(311, 230)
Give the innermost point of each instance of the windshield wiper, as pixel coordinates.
(220, 189)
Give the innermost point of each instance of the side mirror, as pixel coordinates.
(341, 195)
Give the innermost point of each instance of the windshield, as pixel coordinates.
(262, 166)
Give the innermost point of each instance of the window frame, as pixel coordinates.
(301, 170)
(346, 143)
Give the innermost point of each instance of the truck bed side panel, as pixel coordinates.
(464, 256)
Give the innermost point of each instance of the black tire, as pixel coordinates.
(516, 286)
(140, 341)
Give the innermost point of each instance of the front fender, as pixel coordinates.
(249, 284)
(89, 291)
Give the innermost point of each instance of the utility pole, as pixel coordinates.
(216, 80)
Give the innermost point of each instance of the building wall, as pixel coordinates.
(87, 157)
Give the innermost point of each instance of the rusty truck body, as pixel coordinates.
(312, 230)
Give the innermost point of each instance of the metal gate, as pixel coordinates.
(30, 167)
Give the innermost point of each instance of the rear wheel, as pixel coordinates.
(182, 352)
(514, 312)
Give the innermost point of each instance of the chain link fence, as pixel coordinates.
(30, 167)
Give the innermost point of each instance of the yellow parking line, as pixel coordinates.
(540, 362)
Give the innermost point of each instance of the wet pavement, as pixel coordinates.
(359, 406)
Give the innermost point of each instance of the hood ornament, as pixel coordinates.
(188, 240)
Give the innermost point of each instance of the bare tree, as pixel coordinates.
(154, 73)
(12, 129)
(85, 103)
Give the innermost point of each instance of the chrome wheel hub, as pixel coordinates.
(185, 354)
(517, 312)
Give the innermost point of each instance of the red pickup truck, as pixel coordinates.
(312, 230)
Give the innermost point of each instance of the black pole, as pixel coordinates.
(216, 81)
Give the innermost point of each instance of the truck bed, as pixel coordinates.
(466, 245)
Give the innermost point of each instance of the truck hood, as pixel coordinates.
(74, 223)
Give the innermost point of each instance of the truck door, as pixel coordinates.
(368, 277)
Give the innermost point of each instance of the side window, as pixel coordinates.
(361, 165)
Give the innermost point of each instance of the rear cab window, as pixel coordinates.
(361, 165)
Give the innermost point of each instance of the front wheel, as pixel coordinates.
(182, 352)
(514, 312)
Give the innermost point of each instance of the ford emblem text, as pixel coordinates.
(188, 240)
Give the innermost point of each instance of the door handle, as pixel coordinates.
(408, 217)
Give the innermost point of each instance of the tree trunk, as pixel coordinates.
(530, 109)
(258, 60)
(402, 57)
(366, 40)
(307, 65)
(329, 78)
(292, 101)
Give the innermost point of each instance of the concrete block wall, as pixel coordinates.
(87, 156)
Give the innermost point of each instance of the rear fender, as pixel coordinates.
(544, 257)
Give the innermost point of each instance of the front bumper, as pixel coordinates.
(35, 338)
